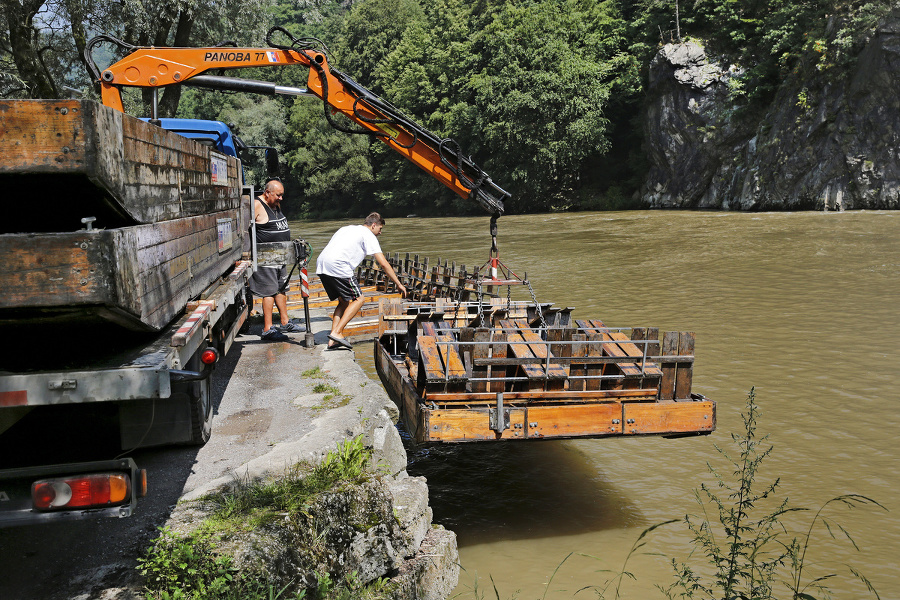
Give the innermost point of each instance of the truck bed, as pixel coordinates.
(81, 345)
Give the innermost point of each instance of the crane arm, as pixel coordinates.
(155, 67)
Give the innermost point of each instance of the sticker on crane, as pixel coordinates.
(15, 398)
(388, 130)
(218, 169)
(272, 56)
(225, 229)
(228, 57)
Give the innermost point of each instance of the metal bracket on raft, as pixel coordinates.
(499, 416)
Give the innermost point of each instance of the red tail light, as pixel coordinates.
(209, 356)
(81, 491)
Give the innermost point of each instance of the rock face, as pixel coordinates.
(378, 529)
(825, 143)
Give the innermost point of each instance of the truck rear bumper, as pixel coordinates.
(70, 387)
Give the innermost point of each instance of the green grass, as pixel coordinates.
(332, 397)
(291, 494)
(314, 373)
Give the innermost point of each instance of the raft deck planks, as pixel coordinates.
(507, 382)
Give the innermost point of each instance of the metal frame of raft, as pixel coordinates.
(487, 368)
(463, 371)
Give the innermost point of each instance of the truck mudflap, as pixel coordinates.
(108, 488)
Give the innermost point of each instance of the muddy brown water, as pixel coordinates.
(803, 306)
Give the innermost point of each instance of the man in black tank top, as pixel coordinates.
(266, 283)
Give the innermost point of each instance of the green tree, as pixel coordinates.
(317, 18)
(331, 168)
(25, 71)
(771, 39)
(421, 76)
(42, 42)
(541, 97)
(373, 28)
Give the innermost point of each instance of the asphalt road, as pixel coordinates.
(254, 389)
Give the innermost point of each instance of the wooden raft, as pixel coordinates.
(460, 376)
(425, 281)
(88, 160)
(134, 220)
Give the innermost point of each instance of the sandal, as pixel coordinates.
(340, 341)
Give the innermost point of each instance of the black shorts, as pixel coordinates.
(340, 287)
(267, 281)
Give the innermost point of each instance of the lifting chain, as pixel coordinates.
(480, 298)
(537, 306)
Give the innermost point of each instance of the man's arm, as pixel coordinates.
(387, 268)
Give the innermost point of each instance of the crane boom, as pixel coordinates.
(155, 67)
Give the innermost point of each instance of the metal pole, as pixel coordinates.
(310, 340)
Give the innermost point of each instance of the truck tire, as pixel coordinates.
(201, 412)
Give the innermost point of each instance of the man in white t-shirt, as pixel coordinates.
(336, 268)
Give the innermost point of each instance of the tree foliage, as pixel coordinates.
(42, 42)
(331, 167)
(543, 93)
(522, 86)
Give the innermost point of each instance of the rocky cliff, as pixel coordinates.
(374, 539)
(370, 537)
(826, 142)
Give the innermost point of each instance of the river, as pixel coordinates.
(801, 306)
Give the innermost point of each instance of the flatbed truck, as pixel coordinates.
(119, 323)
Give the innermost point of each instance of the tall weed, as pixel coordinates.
(750, 548)
(743, 547)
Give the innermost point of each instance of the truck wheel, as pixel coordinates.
(201, 412)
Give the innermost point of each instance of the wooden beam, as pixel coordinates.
(667, 381)
(573, 395)
(463, 425)
(669, 417)
(684, 370)
(578, 368)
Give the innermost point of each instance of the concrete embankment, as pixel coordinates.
(284, 403)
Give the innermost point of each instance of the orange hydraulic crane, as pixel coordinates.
(152, 67)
